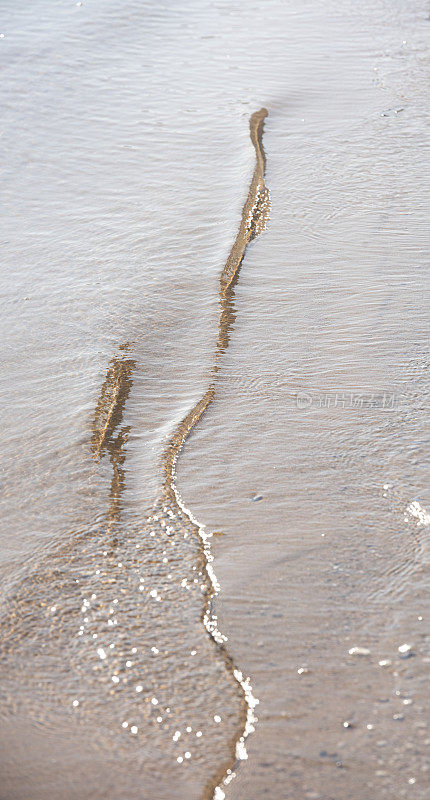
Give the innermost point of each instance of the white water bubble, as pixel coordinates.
(405, 650)
(359, 651)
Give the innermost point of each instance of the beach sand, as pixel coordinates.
(215, 509)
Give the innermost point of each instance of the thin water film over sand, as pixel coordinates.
(114, 631)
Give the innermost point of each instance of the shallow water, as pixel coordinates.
(125, 131)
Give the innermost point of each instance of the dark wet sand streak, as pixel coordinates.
(107, 419)
(254, 216)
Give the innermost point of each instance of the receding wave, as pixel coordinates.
(102, 634)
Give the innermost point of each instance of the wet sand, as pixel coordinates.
(98, 590)
(296, 395)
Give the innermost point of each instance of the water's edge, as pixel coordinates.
(253, 222)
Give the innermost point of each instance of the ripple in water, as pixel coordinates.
(116, 627)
